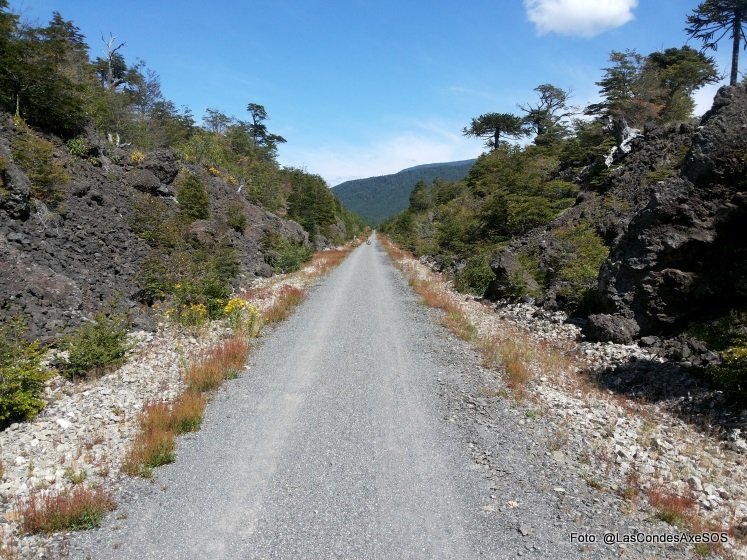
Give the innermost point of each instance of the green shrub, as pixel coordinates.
(192, 198)
(583, 255)
(727, 335)
(78, 147)
(235, 217)
(35, 156)
(21, 375)
(476, 275)
(656, 175)
(95, 347)
(285, 255)
(156, 222)
(732, 372)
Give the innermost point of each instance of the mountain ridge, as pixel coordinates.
(380, 197)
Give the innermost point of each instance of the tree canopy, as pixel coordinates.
(492, 127)
(712, 20)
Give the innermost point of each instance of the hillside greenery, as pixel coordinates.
(49, 81)
(378, 198)
(109, 111)
(512, 189)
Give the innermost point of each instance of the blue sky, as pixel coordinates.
(368, 87)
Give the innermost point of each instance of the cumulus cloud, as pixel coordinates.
(584, 18)
(420, 144)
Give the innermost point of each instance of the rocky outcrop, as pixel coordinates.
(61, 262)
(683, 255)
(672, 213)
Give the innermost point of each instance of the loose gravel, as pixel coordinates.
(362, 429)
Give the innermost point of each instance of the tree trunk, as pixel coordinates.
(496, 139)
(736, 33)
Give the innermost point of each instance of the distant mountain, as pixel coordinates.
(378, 198)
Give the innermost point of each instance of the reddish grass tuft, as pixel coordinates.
(230, 356)
(187, 412)
(288, 298)
(324, 261)
(160, 423)
(675, 509)
(395, 253)
(154, 445)
(80, 508)
(221, 362)
(204, 375)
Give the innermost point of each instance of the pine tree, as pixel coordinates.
(712, 20)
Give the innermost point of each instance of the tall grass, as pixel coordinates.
(287, 299)
(79, 508)
(160, 422)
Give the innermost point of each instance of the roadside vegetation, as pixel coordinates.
(161, 422)
(75, 111)
(532, 369)
(513, 189)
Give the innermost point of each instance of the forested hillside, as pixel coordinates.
(621, 213)
(378, 198)
(112, 196)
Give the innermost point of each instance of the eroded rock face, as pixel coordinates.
(673, 215)
(61, 264)
(683, 256)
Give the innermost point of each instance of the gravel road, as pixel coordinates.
(361, 429)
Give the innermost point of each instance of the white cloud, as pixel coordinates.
(422, 143)
(585, 18)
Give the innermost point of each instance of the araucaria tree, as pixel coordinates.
(712, 20)
(494, 126)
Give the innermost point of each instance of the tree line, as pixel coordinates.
(49, 80)
(513, 188)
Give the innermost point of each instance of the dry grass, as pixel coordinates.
(187, 412)
(288, 298)
(324, 261)
(395, 253)
(230, 356)
(510, 348)
(458, 323)
(204, 375)
(155, 443)
(160, 422)
(672, 508)
(79, 508)
(221, 362)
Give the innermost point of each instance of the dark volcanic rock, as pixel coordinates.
(61, 264)
(15, 188)
(684, 255)
(612, 328)
(163, 164)
(146, 181)
(720, 145)
(509, 272)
